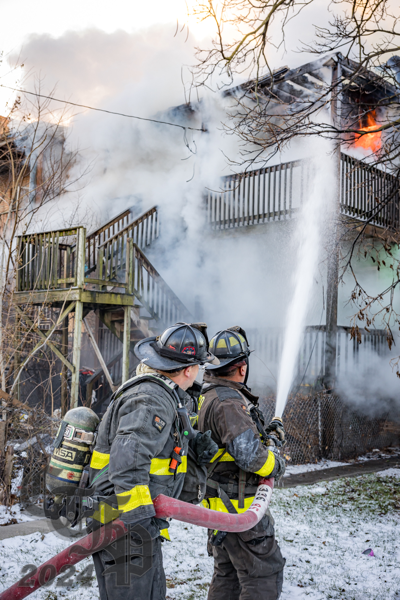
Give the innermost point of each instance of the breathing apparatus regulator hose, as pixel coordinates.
(164, 507)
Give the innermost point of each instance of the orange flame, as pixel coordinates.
(372, 141)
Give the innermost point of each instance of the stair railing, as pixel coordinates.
(143, 231)
(154, 293)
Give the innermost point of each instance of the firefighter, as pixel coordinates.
(141, 452)
(247, 565)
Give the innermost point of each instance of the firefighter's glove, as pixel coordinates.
(280, 466)
(204, 447)
(276, 428)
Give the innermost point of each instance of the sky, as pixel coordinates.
(33, 19)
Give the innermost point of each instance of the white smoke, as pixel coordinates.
(240, 278)
(369, 383)
(134, 163)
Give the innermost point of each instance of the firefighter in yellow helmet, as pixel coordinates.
(247, 565)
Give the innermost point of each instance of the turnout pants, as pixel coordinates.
(132, 568)
(247, 566)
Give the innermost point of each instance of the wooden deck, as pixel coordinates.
(276, 193)
(106, 272)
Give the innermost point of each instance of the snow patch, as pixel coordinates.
(393, 472)
(322, 464)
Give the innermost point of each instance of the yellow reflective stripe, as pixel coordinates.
(268, 466)
(160, 466)
(106, 513)
(165, 534)
(226, 457)
(201, 400)
(217, 504)
(137, 496)
(99, 460)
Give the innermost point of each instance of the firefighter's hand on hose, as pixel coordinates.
(204, 447)
(276, 428)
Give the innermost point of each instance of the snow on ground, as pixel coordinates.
(322, 529)
(389, 473)
(322, 464)
(14, 514)
(329, 464)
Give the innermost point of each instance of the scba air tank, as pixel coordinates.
(72, 448)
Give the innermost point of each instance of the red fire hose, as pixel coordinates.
(165, 507)
(213, 519)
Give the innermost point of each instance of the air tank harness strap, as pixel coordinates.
(223, 495)
(60, 434)
(242, 485)
(215, 486)
(218, 537)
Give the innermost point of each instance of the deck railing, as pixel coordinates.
(142, 231)
(276, 193)
(368, 193)
(47, 260)
(256, 196)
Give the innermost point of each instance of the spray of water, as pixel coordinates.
(310, 226)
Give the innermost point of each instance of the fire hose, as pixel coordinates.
(164, 507)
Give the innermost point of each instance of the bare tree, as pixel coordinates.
(35, 169)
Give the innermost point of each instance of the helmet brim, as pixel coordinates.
(145, 352)
(224, 362)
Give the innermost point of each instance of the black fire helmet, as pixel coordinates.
(178, 347)
(229, 346)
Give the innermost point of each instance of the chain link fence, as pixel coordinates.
(318, 425)
(321, 425)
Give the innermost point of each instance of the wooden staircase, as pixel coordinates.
(106, 272)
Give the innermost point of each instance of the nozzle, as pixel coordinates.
(278, 419)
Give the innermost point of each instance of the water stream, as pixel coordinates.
(311, 228)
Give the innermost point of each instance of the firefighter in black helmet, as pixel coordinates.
(141, 452)
(247, 565)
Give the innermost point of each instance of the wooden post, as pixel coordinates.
(126, 343)
(76, 358)
(64, 369)
(333, 249)
(80, 282)
(99, 356)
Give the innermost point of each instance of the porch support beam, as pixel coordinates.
(99, 355)
(126, 343)
(76, 357)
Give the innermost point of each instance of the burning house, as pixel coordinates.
(106, 294)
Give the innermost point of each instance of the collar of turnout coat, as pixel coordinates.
(235, 385)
